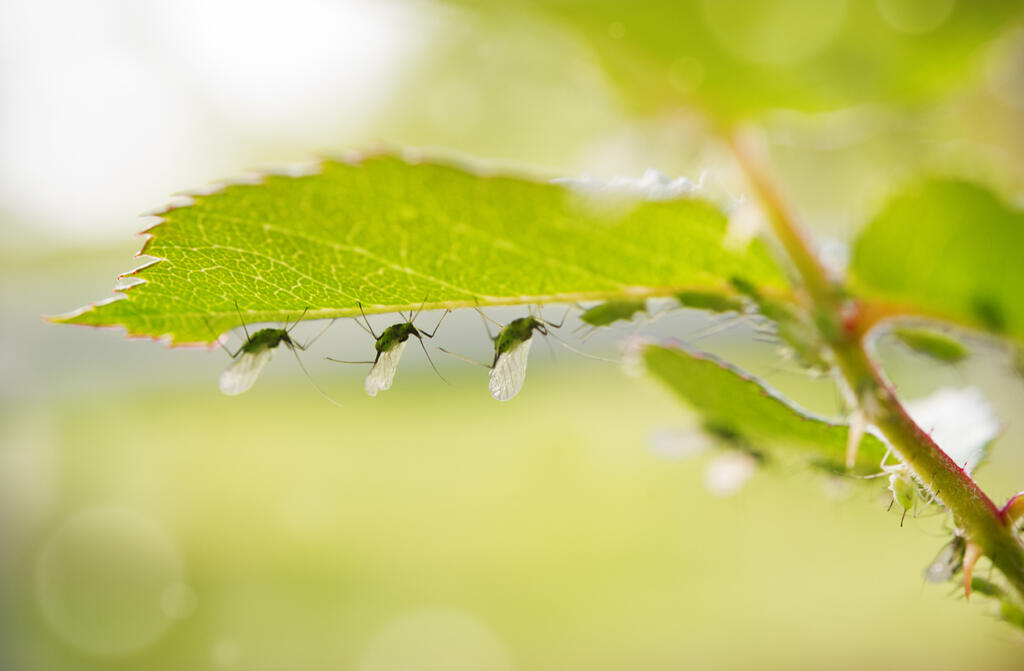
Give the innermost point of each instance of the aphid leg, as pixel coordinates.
(569, 347)
(436, 326)
(486, 319)
(718, 326)
(221, 342)
(466, 359)
(551, 349)
(310, 378)
(316, 337)
(244, 328)
(552, 324)
(288, 329)
(368, 327)
(412, 317)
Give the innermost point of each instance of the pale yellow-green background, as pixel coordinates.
(148, 522)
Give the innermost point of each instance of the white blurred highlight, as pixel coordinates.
(679, 443)
(436, 640)
(654, 185)
(960, 421)
(108, 106)
(726, 474)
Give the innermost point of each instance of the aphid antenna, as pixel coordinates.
(887, 469)
(329, 358)
(311, 380)
(413, 317)
(718, 325)
(368, 327)
(486, 319)
(244, 328)
(466, 359)
(431, 361)
(580, 352)
(777, 368)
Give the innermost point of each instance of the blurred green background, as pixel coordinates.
(146, 521)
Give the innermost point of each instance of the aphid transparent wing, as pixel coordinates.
(243, 371)
(383, 372)
(509, 372)
(948, 562)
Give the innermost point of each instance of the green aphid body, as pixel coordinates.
(802, 339)
(903, 489)
(515, 333)
(709, 300)
(777, 311)
(265, 339)
(611, 312)
(745, 287)
(394, 335)
(938, 346)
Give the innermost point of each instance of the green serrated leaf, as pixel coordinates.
(390, 234)
(949, 249)
(728, 397)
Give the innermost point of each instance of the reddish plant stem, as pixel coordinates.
(972, 509)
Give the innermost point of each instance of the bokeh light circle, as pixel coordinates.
(775, 33)
(102, 578)
(436, 640)
(915, 16)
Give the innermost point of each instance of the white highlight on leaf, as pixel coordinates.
(654, 185)
(728, 472)
(632, 359)
(383, 372)
(960, 421)
(241, 374)
(746, 222)
(509, 372)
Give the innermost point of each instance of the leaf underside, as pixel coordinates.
(730, 398)
(949, 249)
(390, 234)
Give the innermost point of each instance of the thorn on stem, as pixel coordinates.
(971, 556)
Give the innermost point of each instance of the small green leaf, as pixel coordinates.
(949, 249)
(930, 342)
(390, 234)
(730, 398)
